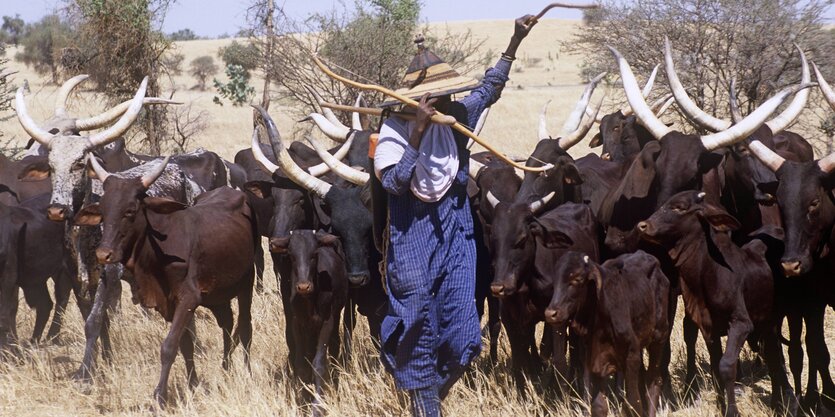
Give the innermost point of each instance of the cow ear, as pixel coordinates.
(35, 171)
(163, 205)
(598, 279)
(718, 218)
(710, 160)
(365, 196)
(641, 175)
(321, 209)
(326, 239)
(260, 189)
(596, 140)
(90, 215)
(551, 239)
(572, 175)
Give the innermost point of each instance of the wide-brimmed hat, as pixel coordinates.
(428, 73)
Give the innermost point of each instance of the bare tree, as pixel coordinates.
(712, 42)
(186, 123)
(373, 42)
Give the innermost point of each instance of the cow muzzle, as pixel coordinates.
(105, 256)
(792, 268)
(304, 288)
(358, 279)
(57, 212)
(501, 290)
(555, 316)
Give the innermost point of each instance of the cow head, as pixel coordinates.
(125, 199)
(514, 236)
(684, 217)
(67, 161)
(303, 248)
(576, 279)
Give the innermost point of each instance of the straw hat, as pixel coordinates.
(429, 74)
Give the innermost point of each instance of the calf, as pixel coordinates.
(620, 308)
(32, 251)
(726, 289)
(319, 291)
(182, 257)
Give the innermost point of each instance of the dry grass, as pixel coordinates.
(38, 382)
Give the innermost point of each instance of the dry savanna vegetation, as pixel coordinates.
(38, 381)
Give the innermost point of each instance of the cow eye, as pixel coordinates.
(130, 213)
(679, 209)
(575, 280)
(520, 240)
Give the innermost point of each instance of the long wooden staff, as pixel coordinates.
(410, 102)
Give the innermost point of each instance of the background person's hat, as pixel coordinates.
(429, 74)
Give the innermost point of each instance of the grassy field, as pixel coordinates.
(39, 382)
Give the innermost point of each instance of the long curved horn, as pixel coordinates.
(475, 168)
(687, 106)
(259, 156)
(103, 119)
(492, 199)
(768, 157)
(650, 82)
(576, 136)
(576, 117)
(288, 167)
(64, 93)
(636, 100)
(347, 173)
(101, 173)
(151, 176)
(29, 125)
(825, 88)
(543, 122)
(355, 116)
(798, 103)
(748, 125)
(482, 118)
(124, 123)
(660, 106)
(331, 117)
(321, 169)
(736, 115)
(539, 204)
(337, 133)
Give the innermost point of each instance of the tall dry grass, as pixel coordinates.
(38, 382)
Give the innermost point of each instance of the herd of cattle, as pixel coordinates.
(599, 248)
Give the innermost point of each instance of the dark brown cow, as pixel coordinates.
(620, 308)
(12, 189)
(524, 247)
(182, 257)
(31, 251)
(726, 289)
(319, 291)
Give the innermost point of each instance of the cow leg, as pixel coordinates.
(667, 354)
(243, 331)
(92, 329)
(187, 349)
(321, 374)
(259, 267)
(634, 364)
(795, 322)
(691, 336)
(783, 399)
(282, 275)
(495, 326)
(8, 311)
(223, 315)
(348, 325)
(183, 312)
(520, 345)
(37, 297)
(737, 333)
(599, 403)
(653, 378)
(63, 286)
(819, 353)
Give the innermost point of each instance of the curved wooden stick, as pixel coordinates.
(410, 102)
(563, 6)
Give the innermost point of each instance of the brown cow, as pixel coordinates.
(726, 289)
(621, 309)
(318, 293)
(181, 257)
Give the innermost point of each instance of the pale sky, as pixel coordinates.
(214, 17)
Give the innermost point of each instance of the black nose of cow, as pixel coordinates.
(358, 279)
(56, 213)
(104, 256)
(643, 226)
(551, 315)
(497, 290)
(304, 288)
(791, 268)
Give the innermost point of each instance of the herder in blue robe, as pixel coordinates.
(431, 330)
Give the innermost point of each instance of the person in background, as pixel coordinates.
(431, 330)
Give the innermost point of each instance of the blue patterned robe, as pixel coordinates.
(431, 330)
